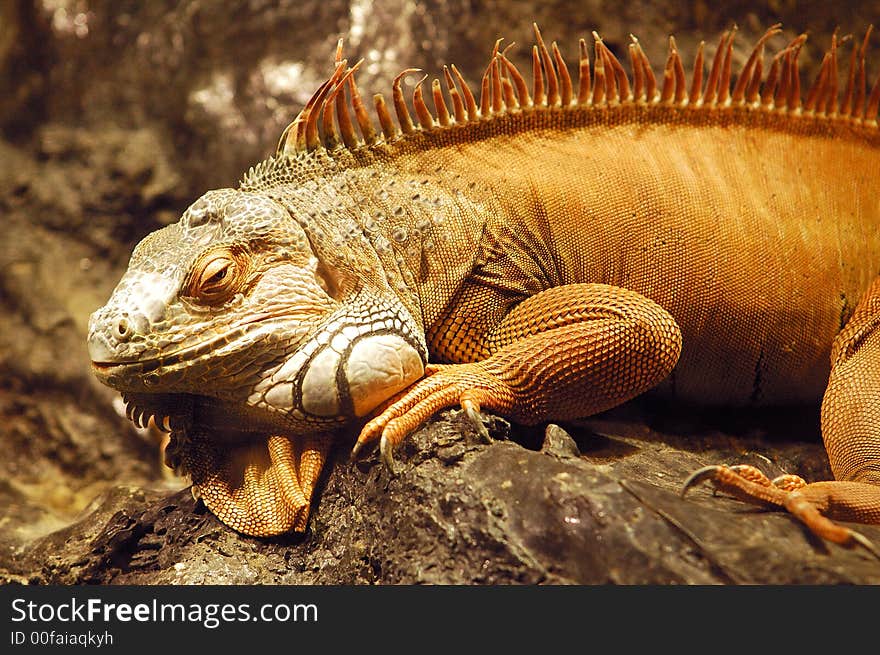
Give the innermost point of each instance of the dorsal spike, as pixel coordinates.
(300, 123)
(343, 118)
(668, 88)
(457, 104)
(330, 135)
(496, 103)
(365, 124)
(678, 69)
(781, 99)
(769, 91)
(789, 81)
(715, 71)
(400, 108)
(726, 66)
(519, 82)
(598, 72)
(300, 129)
(283, 141)
(336, 99)
(748, 70)
(753, 89)
(550, 73)
(537, 79)
(861, 82)
(831, 105)
(497, 97)
(426, 120)
(650, 80)
(787, 72)
(388, 128)
(848, 93)
(612, 94)
(820, 88)
(812, 103)
(507, 89)
(635, 63)
(697, 76)
(312, 140)
(584, 81)
(793, 102)
(565, 88)
(443, 117)
(469, 102)
(486, 92)
(621, 79)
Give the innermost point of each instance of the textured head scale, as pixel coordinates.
(222, 257)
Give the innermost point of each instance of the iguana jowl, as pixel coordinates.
(546, 251)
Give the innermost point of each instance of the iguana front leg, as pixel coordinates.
(567, 352)
(851, 432)
(262, 488)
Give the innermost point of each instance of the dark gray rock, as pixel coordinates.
(559, 443)
(499, 513)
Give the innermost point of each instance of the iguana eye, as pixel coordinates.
(216, 275)
(214, 279)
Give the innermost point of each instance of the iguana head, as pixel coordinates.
(232, 322)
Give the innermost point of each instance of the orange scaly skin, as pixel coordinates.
(547, 250)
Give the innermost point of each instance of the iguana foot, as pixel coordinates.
(808, 502)
(469, 385)
(785, 482)
(259, 489)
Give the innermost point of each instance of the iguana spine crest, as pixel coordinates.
(504, 90)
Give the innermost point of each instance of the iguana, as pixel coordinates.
(545, 249)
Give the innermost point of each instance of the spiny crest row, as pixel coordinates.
(326, 120)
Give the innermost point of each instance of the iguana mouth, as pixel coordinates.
(170, 359)
(152, 363)
(191, 353)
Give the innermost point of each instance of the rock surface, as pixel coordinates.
(113, 119)
(603, 509)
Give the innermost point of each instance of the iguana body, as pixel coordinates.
(552, 252)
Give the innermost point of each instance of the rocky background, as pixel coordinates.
(114, 116)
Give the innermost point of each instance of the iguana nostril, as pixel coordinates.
(123, 328)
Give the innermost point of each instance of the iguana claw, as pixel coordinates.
(698, 476)
(386, 451)
(472, 409)
(865, 543)
(356, 450)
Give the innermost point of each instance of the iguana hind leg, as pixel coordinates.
(851, 432)
(567, 352)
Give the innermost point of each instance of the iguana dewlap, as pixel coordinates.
(545, 251)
